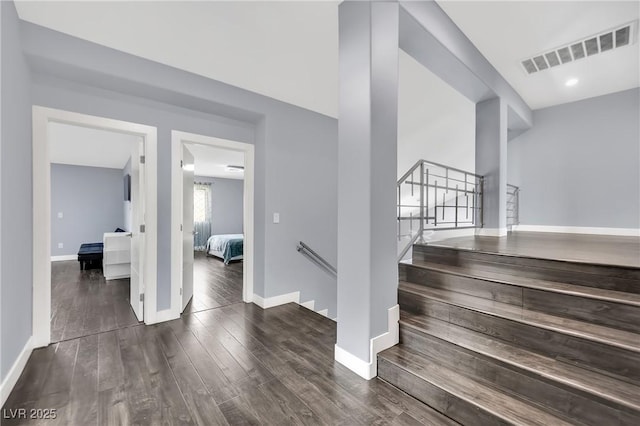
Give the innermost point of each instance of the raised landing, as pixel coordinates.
(498, 331)
(603, 249)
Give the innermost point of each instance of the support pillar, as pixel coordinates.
(491, 162)
(367, 151)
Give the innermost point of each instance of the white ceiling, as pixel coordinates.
(289, 50)
(83, 146)
(285, 50)
(507, 32)
(212, 162)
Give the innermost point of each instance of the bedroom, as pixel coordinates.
(93, 203)
(216, 206)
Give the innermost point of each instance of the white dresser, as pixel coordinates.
(116, 256)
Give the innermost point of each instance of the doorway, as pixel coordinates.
(212, 231)
(138, 245)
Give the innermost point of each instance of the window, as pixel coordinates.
(199, 204)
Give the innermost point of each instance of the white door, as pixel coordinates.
(136, 288)
(187, 226)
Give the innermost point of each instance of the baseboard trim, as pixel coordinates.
(369, 369)
(324, 312)
(491, 232)
(16, 370)
(64, 257)
(270, 302)
(630, 232)
(309, 305)
(433, 235)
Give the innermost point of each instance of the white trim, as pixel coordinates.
(309, 305)
(178, 139)
(270, 302)
(631, 232)
(369, 370)
(14, 373)
(432, 235)
(64, 257)
(42, 116)
(324, 312)
(165, 315)
(491, 232)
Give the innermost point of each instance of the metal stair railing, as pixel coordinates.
(432, 196)
(513, 206)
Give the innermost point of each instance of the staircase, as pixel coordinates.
(500, 339)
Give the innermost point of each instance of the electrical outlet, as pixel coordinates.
(60, 245)
(276, 218)
(60, 215)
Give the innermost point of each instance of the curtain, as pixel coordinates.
(201, 215)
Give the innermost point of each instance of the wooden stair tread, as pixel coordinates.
(501, 405)
(609, 336)
(589, 381)
(533, 283)
(529, 256)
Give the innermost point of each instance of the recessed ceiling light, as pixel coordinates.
(571, 82)
(235, 168)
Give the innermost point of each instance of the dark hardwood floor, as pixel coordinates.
(236, 364)
(600, 249)
(214, 283)
(84, 303)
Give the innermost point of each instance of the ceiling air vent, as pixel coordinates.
(608, 40)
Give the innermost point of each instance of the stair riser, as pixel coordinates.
(616, 315)
(606, 277)
(621, 363)
(568, 402)
(467, 285)
(437, 398)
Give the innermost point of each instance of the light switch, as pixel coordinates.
(60, 245)
(60, 215)
(276, 218)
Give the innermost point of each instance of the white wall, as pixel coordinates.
(435, 122)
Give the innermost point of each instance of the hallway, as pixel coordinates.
(236, 364)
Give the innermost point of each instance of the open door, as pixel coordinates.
(187, 226)
(136, 288)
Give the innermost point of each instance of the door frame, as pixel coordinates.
(41, 175)
(178, 140)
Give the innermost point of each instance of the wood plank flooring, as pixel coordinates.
(214, 283)
(236, 364)
(84, 303)
(601, 249)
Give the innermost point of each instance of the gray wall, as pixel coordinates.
(226, 204)
(580, 164)
(80, 76)
(16, 206)
(90, 199)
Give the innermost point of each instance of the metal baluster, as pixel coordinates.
(456, 206)
(435, 205)
(427, 196)
(399, 211)
(421, 198)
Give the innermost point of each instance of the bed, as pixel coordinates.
(228, 246)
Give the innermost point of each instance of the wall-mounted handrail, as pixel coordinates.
(307, 251)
